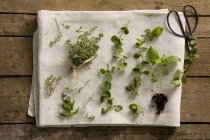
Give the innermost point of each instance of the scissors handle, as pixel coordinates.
(184, 34)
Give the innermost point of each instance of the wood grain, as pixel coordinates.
(16, 57)
(31, 6)
(28, 131)
(14, 95)
(25, 25)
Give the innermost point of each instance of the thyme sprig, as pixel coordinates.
(50, 84)
(68, 107)
(85, 49)
(118, 42)
(106, 94)
(58, 36)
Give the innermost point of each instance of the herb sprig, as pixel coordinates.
(106, 94)
(152, 33)
(50, 84)
(179, 77)
(118, 42)
(88, 115)
(57, 37)
(68, 107)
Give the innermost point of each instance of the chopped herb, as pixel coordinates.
(180, 77)
(160, 101)
(50, 84)
(68, 107)
(135, 108)
(151, 34)
(85, 49)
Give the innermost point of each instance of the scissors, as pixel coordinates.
(185, 34)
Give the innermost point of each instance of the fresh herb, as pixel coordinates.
(70, 90)
(135, 108)
(106, 94)
(118, 42)
(141, 50)
(152, 33)
(66, 25)
(50, 84)
(55, 40)
(89, 116)
(180, 77)
(154, 77)
(85, 49)
(160, 101)
(68, 107)
(136, 82)
(125, 29)
(58, 37)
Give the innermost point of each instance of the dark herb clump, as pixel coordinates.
(160, 101)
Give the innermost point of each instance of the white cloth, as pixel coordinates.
(50, 60)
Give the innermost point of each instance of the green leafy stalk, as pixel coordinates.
(118, 42)
(106, 94)
(50, 84)
(136, 82)
(85, 49)
(68, 107)
(152, 33)
(135, 108)
(140, 49)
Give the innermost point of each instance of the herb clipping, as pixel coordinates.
(85, 49)
(88, 115)
(50, 84)
(68, 107)
(152, 33)
(138, 69)
(135, 108)
(118, 42)
(58, 37)
(106, 93)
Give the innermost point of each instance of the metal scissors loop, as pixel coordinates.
(186, 35)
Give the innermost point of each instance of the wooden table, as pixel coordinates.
(17, 24)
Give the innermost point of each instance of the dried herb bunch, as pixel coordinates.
(85, 49)
(50, 84)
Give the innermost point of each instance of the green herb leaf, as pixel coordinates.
(170, 59)
(153, 56)
(118, 108)
(135, 108)
(151, 34)
(102, 71)
(125, 29)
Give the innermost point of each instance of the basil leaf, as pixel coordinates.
(153, 56)
(168, 59)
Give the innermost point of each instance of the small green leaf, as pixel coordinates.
(170, 59)
(153, 56)
(118, 108)
(129, 88)
(125, 29)
(146, 72)
(102, 71)
(137, 55)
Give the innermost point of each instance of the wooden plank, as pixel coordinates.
(29, 6)
(30, 131)
(25, 25)
(17, 24)
(16, 57)
(14, 95)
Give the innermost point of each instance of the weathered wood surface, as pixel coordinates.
(30, 131)
(31, 6)
(16, 57)
(25, 25)
(14, 95)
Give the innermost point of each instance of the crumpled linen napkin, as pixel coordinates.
(51, 60)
